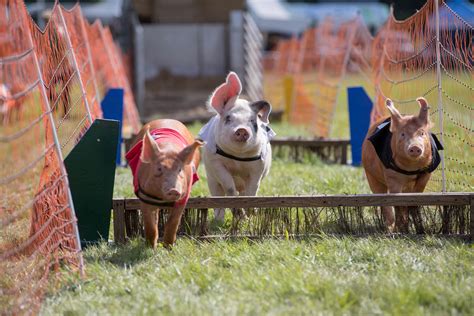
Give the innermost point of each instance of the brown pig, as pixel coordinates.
(398, 155)
(164, 161)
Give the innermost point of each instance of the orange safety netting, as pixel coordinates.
(110, 72)
(430, 54)
(317, 64)
(50, 92)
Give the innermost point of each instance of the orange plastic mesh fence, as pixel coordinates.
(131, 116)
(110, 72)
(50, 92)
(430, 54)
(42, 110)
(318, 62)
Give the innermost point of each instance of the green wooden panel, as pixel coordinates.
(91, 172)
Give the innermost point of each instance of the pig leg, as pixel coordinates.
(150, 221)
(171, 227)
(251, 190)
(216, 190)
(387, 211)
(401, 212)
(414, 211)
(225, 180)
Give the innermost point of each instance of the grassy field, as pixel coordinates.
(325, 275)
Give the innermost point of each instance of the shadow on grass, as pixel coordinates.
(137, 251)
(133, 252)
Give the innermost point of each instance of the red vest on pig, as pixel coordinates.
(160, 135)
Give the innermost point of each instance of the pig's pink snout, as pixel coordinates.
(241, 135)
(415, 151)
(172, 194)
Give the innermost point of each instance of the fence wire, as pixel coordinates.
(429, 54)
(51, 86)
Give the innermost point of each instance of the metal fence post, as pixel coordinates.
(440, 95)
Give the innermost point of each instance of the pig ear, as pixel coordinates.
(423, 115)
(395, 115)
(149, 148)
(263, 109)
(231, 88)
(187, 154)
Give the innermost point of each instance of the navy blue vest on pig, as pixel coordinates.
(381, 139)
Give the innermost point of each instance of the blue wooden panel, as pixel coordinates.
(112, 109)
(360, 106)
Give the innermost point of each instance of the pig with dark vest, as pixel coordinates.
(399, 154)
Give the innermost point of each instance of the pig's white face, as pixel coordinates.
(241, 125)
(240, 128)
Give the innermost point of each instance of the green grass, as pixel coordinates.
(325, 275)
(320, 276)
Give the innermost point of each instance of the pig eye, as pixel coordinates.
(159, 172)
(402, 134)
(255, 125)
(422, 133)
(227, 119)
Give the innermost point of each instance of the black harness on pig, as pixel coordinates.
(219, 150)
(381, 139)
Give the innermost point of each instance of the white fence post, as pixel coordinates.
(253, 48)
(440, 95)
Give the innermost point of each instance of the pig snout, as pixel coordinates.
(415, 151)
(241, 135)
(172, 194)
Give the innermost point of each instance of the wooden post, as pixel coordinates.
(118, 207)
(344, 154)
(135, 227)
(471, 219)
(288, 87)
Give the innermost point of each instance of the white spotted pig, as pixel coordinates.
(237, 154)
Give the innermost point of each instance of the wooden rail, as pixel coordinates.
(123, 207)
(402, 199)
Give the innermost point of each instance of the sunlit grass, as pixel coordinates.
(319, 276)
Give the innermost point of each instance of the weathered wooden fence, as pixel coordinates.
(446, 214)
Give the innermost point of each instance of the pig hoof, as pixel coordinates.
(168, 246)
(219, 215)
(391, 229)
(239, 214)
